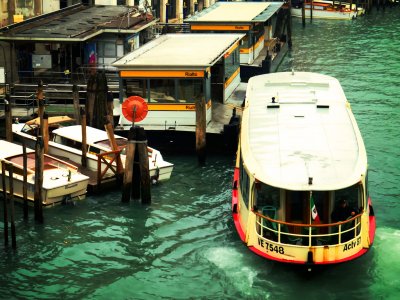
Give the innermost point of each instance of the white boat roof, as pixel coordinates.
(236, 12)
(74, 132)
(179, 51)
(8, 149)
(309, 132)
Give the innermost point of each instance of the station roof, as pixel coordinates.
(179, 51)
(236, 12)
(78, 23)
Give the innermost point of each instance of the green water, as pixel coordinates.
(184, 246)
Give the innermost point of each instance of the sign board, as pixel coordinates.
(42, 61)
(2, 75)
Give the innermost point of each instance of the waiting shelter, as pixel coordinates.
(175, 71)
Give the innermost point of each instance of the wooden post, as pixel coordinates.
(3, 181)
(136, 172)
(8, 118)
(75, 98)
(39, 97)
(25, 180)
(39, 165)
(45, 135)
(128, 173)
(110, 133)
(289, 25)
(144, 165)
(90, 97)
(12, 210)
(303, 14)
(201, 130)
(84, 143)
(311, 10)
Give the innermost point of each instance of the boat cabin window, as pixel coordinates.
(267, 199)
(67, 142)
(352, 194)
(244, 184)
(121, 143)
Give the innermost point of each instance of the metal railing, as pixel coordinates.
(310, 234)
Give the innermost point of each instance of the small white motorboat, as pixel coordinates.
(65, 141)
(61, 180)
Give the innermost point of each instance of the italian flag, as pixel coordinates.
(314, 213)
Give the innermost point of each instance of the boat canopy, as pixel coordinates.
(298, 133)
(51, 120)
(93, 135)
(10, 149)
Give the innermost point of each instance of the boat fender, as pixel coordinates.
(154, 178)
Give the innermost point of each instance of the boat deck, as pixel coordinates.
(93, 186)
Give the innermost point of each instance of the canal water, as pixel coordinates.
(184, 245)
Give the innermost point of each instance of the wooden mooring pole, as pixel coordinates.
(4, 186)
(128, 172)
(25, 181)
(84, 142)
(141, 140)
(45, 123)
(137, 164)
(12, 210)
(8, 118)
(39, 165)
(303, 14)
(201, 130)
(75, 99)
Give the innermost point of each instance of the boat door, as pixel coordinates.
(297, 207)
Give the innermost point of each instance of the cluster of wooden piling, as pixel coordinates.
(136, 165)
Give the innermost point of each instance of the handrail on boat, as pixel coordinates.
(337, 233)
(104, 157)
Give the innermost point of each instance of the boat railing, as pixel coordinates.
(108, 158)
(308, 234)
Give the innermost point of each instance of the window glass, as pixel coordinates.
(190, 89)
(110, 50)
(266, 195)
(135, 87)
(162, 90)
(351, 194)
(244, 184)
(297, 203)
(232, 64)
(258, 31)
(245, 42)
